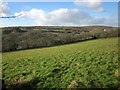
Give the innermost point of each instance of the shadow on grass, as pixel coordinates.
(18, 85)
(30, 85)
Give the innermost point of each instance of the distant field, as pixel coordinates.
(86, 64)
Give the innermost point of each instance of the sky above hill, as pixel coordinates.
(74, 13)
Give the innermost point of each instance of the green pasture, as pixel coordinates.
(86, 64)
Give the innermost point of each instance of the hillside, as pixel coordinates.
(87, 64)
(21, 38)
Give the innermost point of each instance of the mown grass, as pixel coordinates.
(87, 64)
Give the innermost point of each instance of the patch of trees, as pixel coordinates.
(18, 38)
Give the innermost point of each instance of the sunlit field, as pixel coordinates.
(86, 64)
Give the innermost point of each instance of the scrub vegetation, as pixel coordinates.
(20, 38)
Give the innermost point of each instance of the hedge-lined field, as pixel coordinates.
(86, 64)
(21, 38)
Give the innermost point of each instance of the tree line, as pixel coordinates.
(20, 38)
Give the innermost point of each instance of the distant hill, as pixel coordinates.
(87, 28)
(19, 38)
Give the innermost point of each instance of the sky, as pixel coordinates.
(74, 13)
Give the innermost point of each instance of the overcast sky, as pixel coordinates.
(73, 13)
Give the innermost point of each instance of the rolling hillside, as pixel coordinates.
(81, 65)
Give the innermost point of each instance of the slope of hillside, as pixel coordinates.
(21, 38)
(87, 64)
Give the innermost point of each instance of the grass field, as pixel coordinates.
(84, 65)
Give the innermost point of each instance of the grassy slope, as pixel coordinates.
(86, 64)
